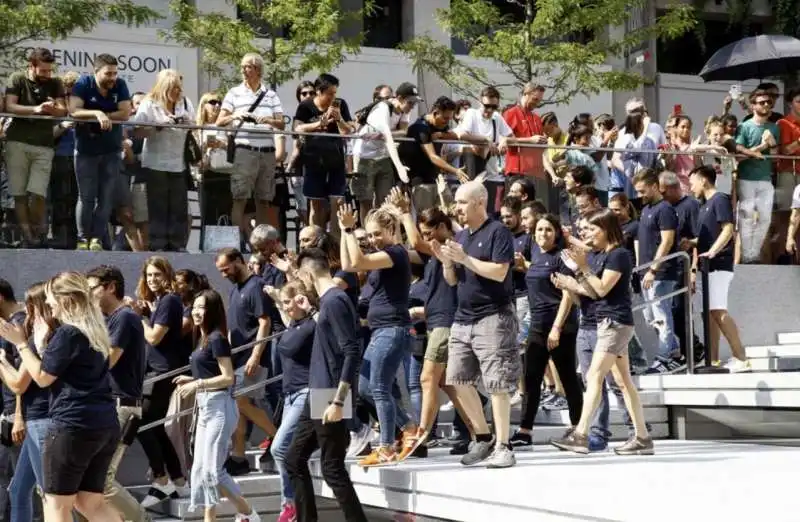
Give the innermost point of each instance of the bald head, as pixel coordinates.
(471, 201)
(472, 191)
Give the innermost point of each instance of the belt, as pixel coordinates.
(256, 149)
(128, 402)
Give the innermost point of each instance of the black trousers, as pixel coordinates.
(537, 357)
(63, 198)
(333, 440)
(161, 455)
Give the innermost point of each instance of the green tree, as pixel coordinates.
(25, 20)
(295, 37)
(559, 43)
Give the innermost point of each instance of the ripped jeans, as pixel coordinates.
(659, 316)
(755, 215)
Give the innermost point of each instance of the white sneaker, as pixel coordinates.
(252, 517)
(516, 399)
(735, 365)
(158, 493)
(183, 491)
(359, 440)
(447, 407)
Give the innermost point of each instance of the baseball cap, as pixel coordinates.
(408, 90)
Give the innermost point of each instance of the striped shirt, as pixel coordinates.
(241, 98)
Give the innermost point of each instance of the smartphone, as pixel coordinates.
(735, 91)
(336, 103)
(677, 109)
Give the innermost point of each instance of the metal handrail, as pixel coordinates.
(355, 136)
(686, 289)
(238, 349)
(189, 411)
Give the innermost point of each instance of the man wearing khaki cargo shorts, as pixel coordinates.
(483, 337)
(254, 163)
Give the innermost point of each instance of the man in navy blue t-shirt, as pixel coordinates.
(657, 235)
(335, 358)
(249, 313)
(483, 339)
(714, 243)
(103, 97)
(127, 361)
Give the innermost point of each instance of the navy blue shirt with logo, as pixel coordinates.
(478, 296)
(616, 305)
(273, 277)
(205, 359)
(81, 396)
(127, 334)
(9, 398)
(522, 245)
(247, 303)
(715, 213)
(588, 315)
(294, 348)
(90, 139)
(168, 354)
(630, 232)
(388, 305)
(336, 350)
(352, 289)
(655, 219)
(544, 298)
(442, 299)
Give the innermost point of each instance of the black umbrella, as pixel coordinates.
(757, 57)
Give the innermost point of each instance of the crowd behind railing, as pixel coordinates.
(86, 164)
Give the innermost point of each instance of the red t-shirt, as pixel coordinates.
(790, 133)
(524, 160)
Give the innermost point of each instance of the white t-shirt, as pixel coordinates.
(796, 198)
(163, 150)
(493, 129)
(380, 118)
(654, 132)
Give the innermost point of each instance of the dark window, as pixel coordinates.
(690, 52)
(383, 27)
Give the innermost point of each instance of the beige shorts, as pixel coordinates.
(613, 337)
(28, 168)
(253, 174)
(436, 350)
(373, 180)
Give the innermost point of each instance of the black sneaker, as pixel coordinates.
(237, 467)
(266, 463)
(520, 440)
(666, 367)
(460, 448)
(421, 452)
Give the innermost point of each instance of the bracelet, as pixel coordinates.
(348, 230)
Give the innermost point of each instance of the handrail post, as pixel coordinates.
(687, 316)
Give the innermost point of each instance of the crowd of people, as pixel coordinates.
(492, 271)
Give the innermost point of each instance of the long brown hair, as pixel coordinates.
(35, 306)
(213, 319)
(162, 265)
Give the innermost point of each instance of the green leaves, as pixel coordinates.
(295, 37)
(559, 43)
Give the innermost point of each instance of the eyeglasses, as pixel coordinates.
(491, 106)
(303, 94)
(213, 102)
(763, 102)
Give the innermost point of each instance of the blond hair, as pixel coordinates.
(78, 309)
(200, 118)
(70, 78)
(166, 80)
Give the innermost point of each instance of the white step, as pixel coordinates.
(777, 350)
(789, 338)
(775, 364)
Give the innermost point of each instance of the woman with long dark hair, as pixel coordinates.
(162, 317)
(39, 326)
(212, 384)
(553, 328)
(84, 433)
(608, 281)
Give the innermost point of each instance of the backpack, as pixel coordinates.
(363, 113)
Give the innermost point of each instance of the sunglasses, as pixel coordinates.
(491, 106)
(306, 93)
(763, 102)
(213, 102)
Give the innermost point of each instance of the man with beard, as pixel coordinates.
(249, 312)
(483, 338)
(105, 98)
(31, 147)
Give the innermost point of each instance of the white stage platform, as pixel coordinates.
(685, 480)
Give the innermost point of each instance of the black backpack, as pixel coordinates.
(363, 113)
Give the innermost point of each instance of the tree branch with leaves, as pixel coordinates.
(561, 44)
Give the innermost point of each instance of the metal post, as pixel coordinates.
(687, 315)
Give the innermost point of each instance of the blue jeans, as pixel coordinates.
(659, 316)
(293, 404)
(412, 368)
(217, 417)
(28, 472)
(382, 358)
(97, 181)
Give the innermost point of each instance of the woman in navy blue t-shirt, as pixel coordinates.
(390, 343)
(84, 431)
(553, 328)
(608, 281)
(217, 416)
(162, 318)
